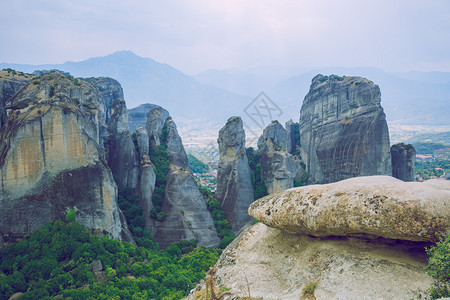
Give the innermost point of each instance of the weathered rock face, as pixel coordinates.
(155, 122)
(121, 153)
(109, 91)
(51, 161)
(270, 264)
(187, 215)
(137, 116)
(147, 175)
(276, 133)
(364, 206)
(234, 186)
(343, 129)
(293, 137)
(9, 85)
(278, 167)
(403, 161)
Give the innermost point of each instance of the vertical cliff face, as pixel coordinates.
(234, 186)
(186, 212)
(403, 161)
(147, 177)
(343, 129)
(293, 137)
(51, 161)
(279, 168)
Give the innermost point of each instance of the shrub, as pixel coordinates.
(439, 268)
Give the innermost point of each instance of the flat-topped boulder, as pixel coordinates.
(373, 206)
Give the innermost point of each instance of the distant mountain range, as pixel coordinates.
(408, 98)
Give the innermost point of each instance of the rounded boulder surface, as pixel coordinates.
(373, 206)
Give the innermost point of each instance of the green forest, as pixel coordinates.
(58, 259)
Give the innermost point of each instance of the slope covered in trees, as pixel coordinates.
(60, 259)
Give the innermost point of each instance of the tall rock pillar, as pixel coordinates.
(343, 129)
(403, 160)
(234, 186)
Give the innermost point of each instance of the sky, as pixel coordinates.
(194, 36)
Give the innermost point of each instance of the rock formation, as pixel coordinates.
(276, 133)
(379, 206)
(147, 176)
(234, 186)
(403, 161)
(279, 168)
(360, 238)
(9, 85)
(120, 149)
(137, 116)
(293, 137)
(267, 263)
(51, 160)
(343, 129)
(187, 216)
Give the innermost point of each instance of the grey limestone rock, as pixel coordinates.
(154, 125)
(276, 133)
(187, 215)
(51, 160)
(137, 116)
(343, 129)
(234, 186)
(147, 175)
(293, 137)
(121, 153)
(9, 85)
(403, 161)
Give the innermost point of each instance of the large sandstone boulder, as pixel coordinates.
(234, 186)
(51, 160)
(343, 129)
(267, 263)
(371, 206)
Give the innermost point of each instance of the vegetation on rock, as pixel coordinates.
(196, 165)
(160, 158)
(255, 165)
(223, 228)
(59, 259)
(439, 268)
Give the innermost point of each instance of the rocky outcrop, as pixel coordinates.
(10, 84)
(293, 137)
(278, 167)
(137, 116)
(276, 133)
(51, 160)
(267, 263)
(343, 129)
(186, 212)
(155, 121)
(147, 177)
(120, 149)
(234, 186)
(376, 206)
(403, 161)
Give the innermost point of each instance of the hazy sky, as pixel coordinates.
(194, 36)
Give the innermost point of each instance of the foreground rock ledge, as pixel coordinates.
(270, 264)
(374, 206)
